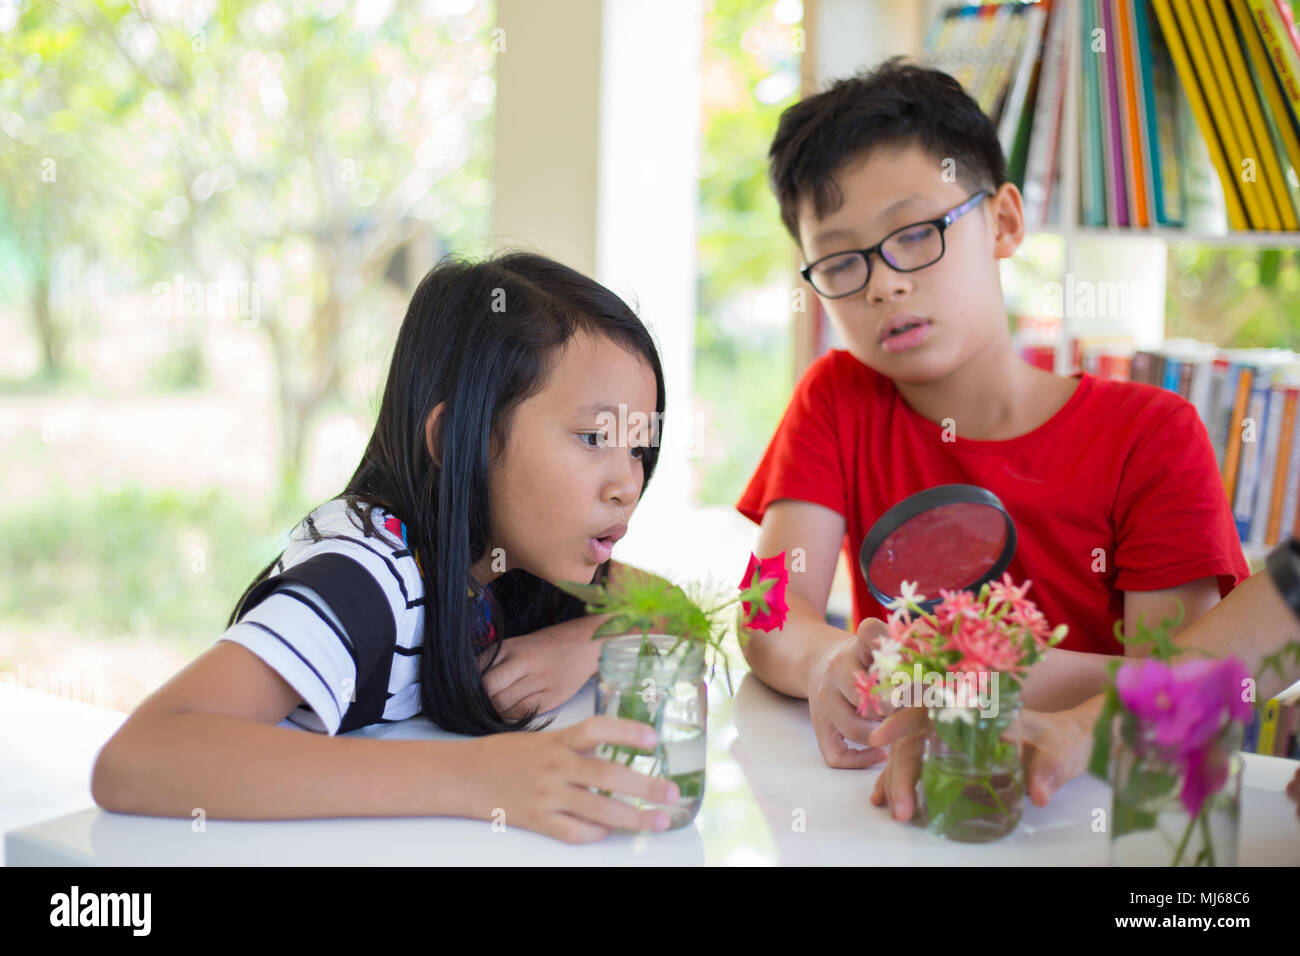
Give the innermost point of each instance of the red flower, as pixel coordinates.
(764, 584)
(866, 682)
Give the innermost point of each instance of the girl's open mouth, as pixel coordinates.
(601, 548)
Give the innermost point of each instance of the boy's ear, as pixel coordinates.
(1008, 209)
(431, 434)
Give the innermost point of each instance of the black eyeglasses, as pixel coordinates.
(903, 250)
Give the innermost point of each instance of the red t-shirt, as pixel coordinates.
(1122, 466)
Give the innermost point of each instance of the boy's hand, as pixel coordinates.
(541, 670)
(1057, 747)
(833, 699)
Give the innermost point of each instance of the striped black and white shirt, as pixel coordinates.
(342, 621)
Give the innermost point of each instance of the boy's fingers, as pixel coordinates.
(1042, 776)
(844, 718)
(839, 755)
(899, 724)
(904, 770)
(878, 791)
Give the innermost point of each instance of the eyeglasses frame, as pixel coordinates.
(941, 223)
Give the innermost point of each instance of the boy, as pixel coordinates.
(1114, 488)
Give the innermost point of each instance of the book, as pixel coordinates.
(1188, 73)
(1045, 133)
(1278, 113)
(1268, 727)
(1287, 470)
(1253, 130)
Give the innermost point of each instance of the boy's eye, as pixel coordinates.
(597, 439)
(919, 234)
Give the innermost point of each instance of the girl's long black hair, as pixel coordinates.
(482, 337)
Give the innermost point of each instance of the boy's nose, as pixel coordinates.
(884, 282)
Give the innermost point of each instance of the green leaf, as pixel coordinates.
(618, 624)
(1130, 819)
(690, 784)
(588, 593)
(1143, 786)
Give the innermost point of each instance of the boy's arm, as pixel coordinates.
(1064, 678)
(808, 657)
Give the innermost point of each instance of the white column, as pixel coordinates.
(647, 199)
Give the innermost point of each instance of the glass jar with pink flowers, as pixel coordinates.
(963, 658)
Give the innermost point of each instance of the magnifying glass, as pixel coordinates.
(951, 537)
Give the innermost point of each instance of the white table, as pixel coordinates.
(764, 776)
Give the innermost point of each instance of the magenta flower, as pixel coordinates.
(1182, 709)
(758, 571)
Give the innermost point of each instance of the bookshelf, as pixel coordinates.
(843, 36)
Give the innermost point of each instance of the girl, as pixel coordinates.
(426, 587)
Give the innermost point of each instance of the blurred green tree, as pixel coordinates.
(280, 154)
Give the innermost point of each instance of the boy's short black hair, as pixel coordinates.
(896, 104)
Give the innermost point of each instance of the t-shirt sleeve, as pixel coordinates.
(327, 626)
(802, 461)
(1173, 522)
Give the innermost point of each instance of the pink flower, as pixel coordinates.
(956, 604)
(1207, 769)
(769, 610)
(866, 682)
(1182, 709)
(912, 633)
(1006, 591)
(984, 646)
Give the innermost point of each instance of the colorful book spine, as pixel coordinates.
(1260, 510)
(1268, 727)
(1252, 450)
(1188, 73)
(1242, 379)
(1288, 469)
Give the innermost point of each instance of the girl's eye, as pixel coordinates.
(638, 452)
(598, 440)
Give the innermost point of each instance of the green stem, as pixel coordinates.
(988, 785)
(1205, 830)
(1182, 845)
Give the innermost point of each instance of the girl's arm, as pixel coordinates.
(206, 741)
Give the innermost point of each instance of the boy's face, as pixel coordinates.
(957, 300)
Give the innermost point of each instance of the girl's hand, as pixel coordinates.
(541, 781)
(541, 670)
(1293, 791)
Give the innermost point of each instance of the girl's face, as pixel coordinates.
(569, 474)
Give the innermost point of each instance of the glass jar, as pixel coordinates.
(972, 781)
(659, 680)
(1149, 824)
